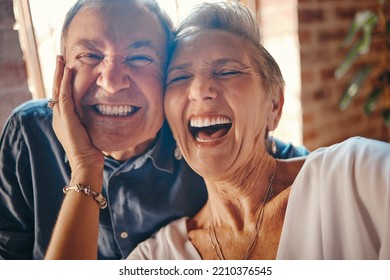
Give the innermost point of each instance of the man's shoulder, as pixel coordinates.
(31, 117)
(30, 113)
(32, 107)
(286, 150)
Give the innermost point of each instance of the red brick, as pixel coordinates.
(305, 36)
(308, 16)
(335, 35)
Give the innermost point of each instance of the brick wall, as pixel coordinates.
(278, 20)
(13, 79)
(322, 26)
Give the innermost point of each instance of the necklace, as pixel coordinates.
(252, 242)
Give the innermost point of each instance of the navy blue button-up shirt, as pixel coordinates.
(144, 193)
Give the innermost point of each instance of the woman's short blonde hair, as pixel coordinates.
(235, 18)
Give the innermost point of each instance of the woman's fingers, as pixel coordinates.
(58, 74)
(82, 155)
(65, 99)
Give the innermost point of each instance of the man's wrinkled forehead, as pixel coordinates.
(127, 8)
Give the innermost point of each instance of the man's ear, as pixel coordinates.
(277, 102)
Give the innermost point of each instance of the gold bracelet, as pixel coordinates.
(100, 199)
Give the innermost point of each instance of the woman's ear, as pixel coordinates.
(277, 102)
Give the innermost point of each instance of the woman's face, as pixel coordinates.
(215, 102)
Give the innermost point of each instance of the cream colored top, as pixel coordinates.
(339, 208)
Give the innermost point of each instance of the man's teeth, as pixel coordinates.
(209, 121)
(112, 110)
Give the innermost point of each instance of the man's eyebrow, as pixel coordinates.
(145, 44)
(89, 44)
(96, 44)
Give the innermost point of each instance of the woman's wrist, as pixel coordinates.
(89, 177)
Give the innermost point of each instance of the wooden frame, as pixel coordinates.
(25, 27)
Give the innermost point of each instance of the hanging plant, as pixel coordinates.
(362, 30)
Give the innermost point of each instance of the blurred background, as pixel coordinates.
(333, 55)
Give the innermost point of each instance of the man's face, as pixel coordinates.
(117, 55)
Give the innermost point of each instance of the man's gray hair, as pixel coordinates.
(151, 5)
(235, 18)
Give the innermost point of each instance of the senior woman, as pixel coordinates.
(224, 94)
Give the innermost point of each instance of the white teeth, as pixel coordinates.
(112, 110)
(208, 121)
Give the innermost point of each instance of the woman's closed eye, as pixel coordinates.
(227, 73)
(174, 79)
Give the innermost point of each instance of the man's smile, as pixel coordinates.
(115, 110)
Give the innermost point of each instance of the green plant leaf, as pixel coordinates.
(367, 34)
(359, 48)
(360, 20)
(372, 100)
(348, 61)
(354, 87)
(346, 64)
(386, 117)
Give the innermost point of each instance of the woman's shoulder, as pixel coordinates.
(358, 165)
(355, 150)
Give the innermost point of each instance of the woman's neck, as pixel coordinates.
(237, 201)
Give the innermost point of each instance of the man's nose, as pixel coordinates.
(113, 76)
(202, 89)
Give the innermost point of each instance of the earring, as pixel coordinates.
(177, 153)
(271, 143)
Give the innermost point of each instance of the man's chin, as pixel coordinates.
(123, 150)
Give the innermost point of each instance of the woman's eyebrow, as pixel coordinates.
(224, 61)
(179, 67)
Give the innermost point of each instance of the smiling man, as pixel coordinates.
(117, 51)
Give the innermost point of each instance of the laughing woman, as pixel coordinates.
(224, 94)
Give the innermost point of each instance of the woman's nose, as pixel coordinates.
(202, 89)
(114, 76)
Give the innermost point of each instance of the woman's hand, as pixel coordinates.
(75, 234)
(83, 157)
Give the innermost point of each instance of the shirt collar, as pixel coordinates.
(161, 154)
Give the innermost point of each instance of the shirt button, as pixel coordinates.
(124, 235)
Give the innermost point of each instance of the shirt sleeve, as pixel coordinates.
(16, 211)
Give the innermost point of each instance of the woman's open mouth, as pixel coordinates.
(210, 128)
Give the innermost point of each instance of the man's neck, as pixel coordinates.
(131, 152)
